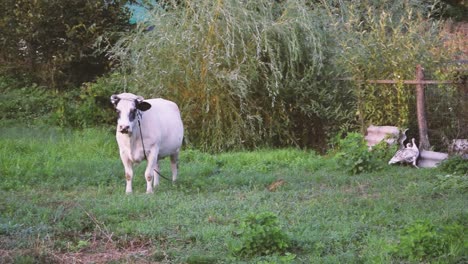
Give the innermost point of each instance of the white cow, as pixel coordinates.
(150, 129)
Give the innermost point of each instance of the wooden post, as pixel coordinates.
(420, 109)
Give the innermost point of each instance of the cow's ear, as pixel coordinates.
(114, 99)
(143, 106)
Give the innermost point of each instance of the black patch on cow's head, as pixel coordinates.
(142, 105)
(132, 115)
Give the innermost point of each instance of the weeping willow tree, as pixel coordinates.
(244, 73)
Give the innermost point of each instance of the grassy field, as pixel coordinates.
(63, 201)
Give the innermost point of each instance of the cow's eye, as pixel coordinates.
(132, 114)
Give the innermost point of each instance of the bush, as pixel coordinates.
(54, 42)
(423, 241)
(455, 165)
(452, 182)
(260, 234)
(386, 40)
(89, 106)
(23, 102)
(264, 72)
(243, 74)
(354, 155)
(86, 107)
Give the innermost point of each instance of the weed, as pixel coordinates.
(424, 241)
(260, 234)
(451, 182)
(455, 165)
(354, 155)
(26, 104)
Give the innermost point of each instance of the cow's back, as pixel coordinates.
(162, 125)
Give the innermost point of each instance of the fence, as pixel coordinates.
(421, 106)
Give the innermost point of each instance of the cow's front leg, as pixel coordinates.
(149, 172)
(156, 174)
(128, 174)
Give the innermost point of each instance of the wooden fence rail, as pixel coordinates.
(423, 82)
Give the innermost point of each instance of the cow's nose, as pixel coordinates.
(124, 129)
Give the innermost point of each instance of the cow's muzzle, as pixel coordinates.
(124, 129)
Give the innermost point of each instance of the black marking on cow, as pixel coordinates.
(132, 115)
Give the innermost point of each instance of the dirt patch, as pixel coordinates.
(128, 256)
(97, 252)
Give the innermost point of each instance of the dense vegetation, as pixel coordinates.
(53, 43)
(63, 201)
(265, 73)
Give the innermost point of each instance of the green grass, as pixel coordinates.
(63, 199)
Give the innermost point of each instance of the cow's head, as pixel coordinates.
(127, 106)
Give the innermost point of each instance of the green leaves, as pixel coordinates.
(53, 42)
(424, 241)
(243, 74)
(354, 156)
(260, 234)
(451, 182)
(455, 165)
(386, 40)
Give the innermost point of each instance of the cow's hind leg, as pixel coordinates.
(174, 165)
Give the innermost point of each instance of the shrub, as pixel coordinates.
(374, 43)
(354, 155)
(452, 182)
(25, 102)
(423, 241)
(454, 165)
(53, 42)
(260, 234)
(243, 75)
(383, 151)
(89, 106)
